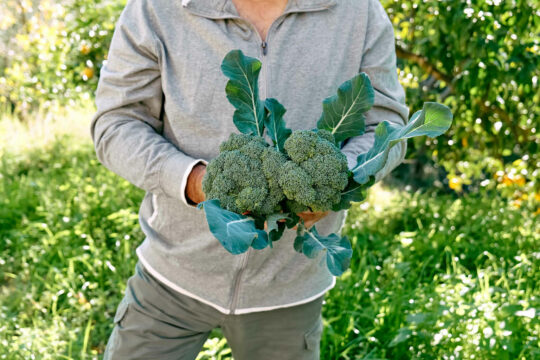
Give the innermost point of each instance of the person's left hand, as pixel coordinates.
(311, 218)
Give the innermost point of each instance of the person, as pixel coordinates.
(162, 113)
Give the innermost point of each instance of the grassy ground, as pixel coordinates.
(433, 277)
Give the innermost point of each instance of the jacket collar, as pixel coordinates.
(222, 9)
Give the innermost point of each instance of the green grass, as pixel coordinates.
(433, 277)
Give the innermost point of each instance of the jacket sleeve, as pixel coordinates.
(126, 129)
(379, 63)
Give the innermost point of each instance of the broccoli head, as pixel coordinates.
(317, 171)
(242, 177)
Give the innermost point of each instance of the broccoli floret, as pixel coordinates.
(333, 174)
(317, 172)
(235, 178)
(327, 135)
(235, 142)
(250, 176)
(297, 184)
(304, 144)
(295, 207)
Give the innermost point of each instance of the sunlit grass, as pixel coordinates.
(437, 277)
(18, 137)
(433, 277)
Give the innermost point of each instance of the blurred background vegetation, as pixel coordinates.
(447, 255)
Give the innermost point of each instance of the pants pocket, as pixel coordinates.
(121, 312)
(312, 337)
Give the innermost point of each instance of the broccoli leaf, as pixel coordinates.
(277, 234)
(338, 249)
(261, 242)
(243, 91)
(299, 240)
(343, 114)
(234, 231)
(275, 124)
(369, 163)
(291, 221)
(276, 227)
(354, 192)
(433, 120)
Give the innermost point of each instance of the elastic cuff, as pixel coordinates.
(174, 173)
(185, 179)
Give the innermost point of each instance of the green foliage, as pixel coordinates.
(228, 222)
(343, 114)
(243, 91)
(52, 51)
(480, 58)
(304, 171)
(430, 275)
(274, 123)
(68, 232)
(435, 275)
(433, 120)
(338, 249)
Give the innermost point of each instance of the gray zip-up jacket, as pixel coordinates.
(162, 108)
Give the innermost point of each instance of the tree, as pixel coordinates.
(481, 59)
(52, 51)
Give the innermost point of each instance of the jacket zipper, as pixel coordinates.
(243, 264)
(236, 290)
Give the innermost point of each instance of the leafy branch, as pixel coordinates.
(424, 63)
(430, 68)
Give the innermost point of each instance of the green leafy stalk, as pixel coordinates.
(338, 249)
(343, 114)
(433, 120)
(276, 226)
(275, 124)
(369, 163)
(243, 92)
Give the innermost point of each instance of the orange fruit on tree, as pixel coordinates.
(88, 73)
(85, 49)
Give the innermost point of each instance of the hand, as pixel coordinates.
(311, 218)
(194, 192)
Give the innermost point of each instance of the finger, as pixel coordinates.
(306, 216)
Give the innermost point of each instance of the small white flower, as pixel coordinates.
(530, 313)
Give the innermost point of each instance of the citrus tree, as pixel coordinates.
(51, 51)
(481, 58)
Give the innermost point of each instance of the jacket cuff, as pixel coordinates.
(174, 174)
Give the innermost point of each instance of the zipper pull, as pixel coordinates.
(264, 47)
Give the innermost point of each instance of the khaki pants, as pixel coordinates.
(155, 322)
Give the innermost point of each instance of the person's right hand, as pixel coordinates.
(194, 192)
